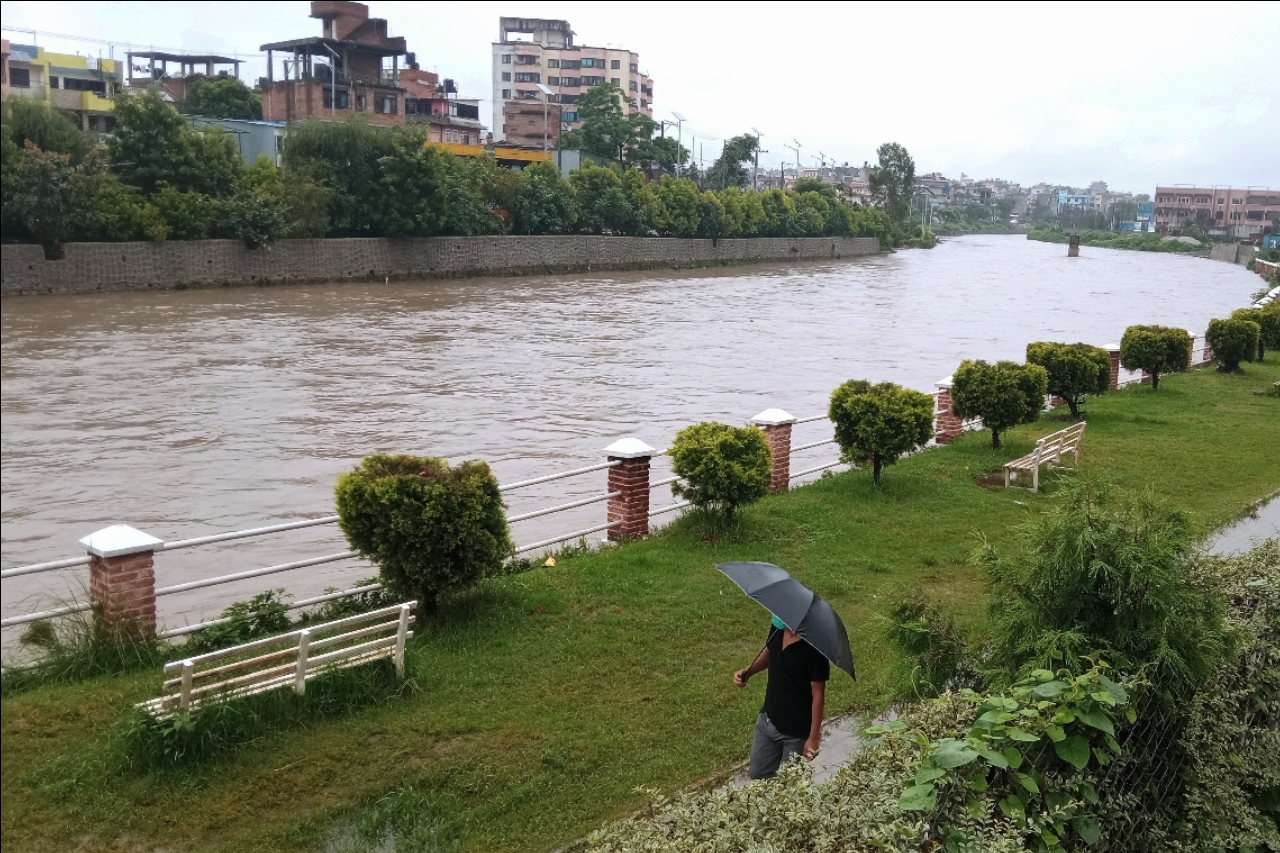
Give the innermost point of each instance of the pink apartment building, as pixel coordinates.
(1240, 211)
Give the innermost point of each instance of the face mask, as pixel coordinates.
(779, 624)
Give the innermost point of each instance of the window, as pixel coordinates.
(635, 69)
(384, 105)
(1237, 201)
(1184, 199)
(634, 86)
(1202, 199)
(615, 64)
(525, 59)
(343, 100)
(527, 94)
(1235, 215)
(553, 81)
(20, 78)
(553, 63)
(615, 81)
(569, 116)
(506, 59)
(570, 81)
(591, 81)
(1222, 201)
(506, 93)
(361, 103)
(529, 77)
(53, 82)
(571, 63)
(593, 63)
(506, 76)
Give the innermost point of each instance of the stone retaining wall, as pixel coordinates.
(93, 267)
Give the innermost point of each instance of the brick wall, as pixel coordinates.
(93, 267)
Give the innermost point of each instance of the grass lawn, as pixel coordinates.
(547, 698)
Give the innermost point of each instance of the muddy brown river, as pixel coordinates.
(185, 413)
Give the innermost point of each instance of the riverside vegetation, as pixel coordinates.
(538, 702)
(1148, 242)
(157, 178)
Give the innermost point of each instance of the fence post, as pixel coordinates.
(631, 478)
(122, 581)
(1191, 354)
(188, 673)
(402, 634)
(300, 675)
(777, 431)
(946, 426)
(1113, 351)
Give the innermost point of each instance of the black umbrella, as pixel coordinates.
(813, 619)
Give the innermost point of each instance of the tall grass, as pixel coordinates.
(73, 648)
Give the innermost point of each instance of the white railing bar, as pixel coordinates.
(575, 472)
(812, 444)
(45, 614)
(253, 573)
(811, 419)
(244, 534)
(567, 536)
(665, 482)
(572, 504)
(817, 469)
(45, 567)
(668, 508)
(306, 602)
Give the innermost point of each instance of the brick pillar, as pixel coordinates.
(631, 478)
(122, 581)
(946, 426)
(777, 431)
(1113, 350)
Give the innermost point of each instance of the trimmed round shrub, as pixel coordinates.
(1156, 350)
(1003, 394)
(879, 422)
(723, 467)
(1074, 370)
(1233, 341)
(430, 528)
(1268, 319)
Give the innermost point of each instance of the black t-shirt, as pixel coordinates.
(788, 700)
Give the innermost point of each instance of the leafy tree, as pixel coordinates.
(1098, 580)
(660, 152)
(723, 467)
(430, 528)
(544, 202)
(24, 120)
(680, 199)
(1003, 394)
(894, 181)
(779, 214)
(152, 145)
(343, 157)
(187, 216)
(413, 177)
(711, 221)
(1233, 340)
(1268, 319)
(727, 171)
(611, 125)
(881, 422)
(257, 218)
(743, 213)
(221, 97)
(603, 205)
(1074, 370)
(646, 200)
(120, 213)
(1156, 350)
(50, 197)
(304, 201)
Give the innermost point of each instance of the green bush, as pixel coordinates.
(430, 528)
(261, 616)
(723, 467)
(1233, 340)
(1155, 349)
(1003, 394)
(880, 422)
(1268, 319)
(1074, 370)
(935, 651)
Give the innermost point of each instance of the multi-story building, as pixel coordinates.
(151, 67)
(353, 66)
(550, 58)
(82, 85)
(1238, 211)
(448, 119)
(532, 124)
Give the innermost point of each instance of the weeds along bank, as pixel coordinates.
(537, 702)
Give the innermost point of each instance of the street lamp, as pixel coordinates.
(755, 174)
(546, 98)
(680, 120)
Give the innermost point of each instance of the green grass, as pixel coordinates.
(544, 699)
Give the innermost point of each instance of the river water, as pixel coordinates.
(185, 413)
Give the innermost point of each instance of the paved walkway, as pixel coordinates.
(840, 741)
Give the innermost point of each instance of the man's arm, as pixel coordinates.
(815, 722)
(760, 664)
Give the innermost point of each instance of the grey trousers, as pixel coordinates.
(770, 748)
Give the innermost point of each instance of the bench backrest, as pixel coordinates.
(1053, 445)
(286, 660)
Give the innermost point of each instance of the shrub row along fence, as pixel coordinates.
(121, 559)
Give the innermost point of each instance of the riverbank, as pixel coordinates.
(1123, 240)
(183, 264)
(546, 698)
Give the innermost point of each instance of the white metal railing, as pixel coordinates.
(306, 602)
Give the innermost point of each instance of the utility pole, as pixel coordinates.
(680, 120)
(546, 98)
(755, 173)
(796, 148)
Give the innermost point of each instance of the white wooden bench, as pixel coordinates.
(1049, 451)
(286, 660)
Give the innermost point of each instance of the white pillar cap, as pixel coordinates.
(945, 382)
(630, 448)
(119, 540)
(773, 417)
(1112, 347)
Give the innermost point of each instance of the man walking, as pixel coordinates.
(790, 723)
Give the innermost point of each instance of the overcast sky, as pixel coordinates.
(1066, 93)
